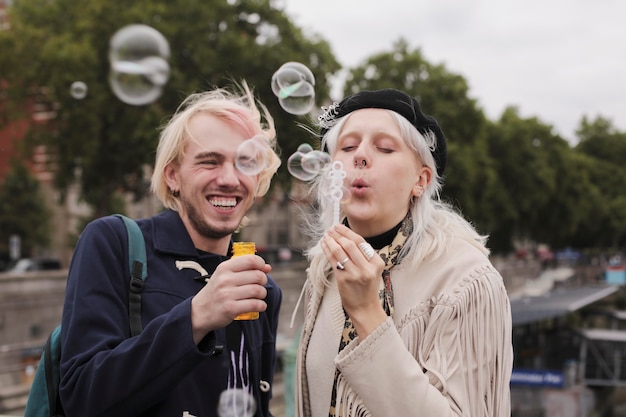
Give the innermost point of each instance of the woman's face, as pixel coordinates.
(383, 173)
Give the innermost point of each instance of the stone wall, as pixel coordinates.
(30, 308)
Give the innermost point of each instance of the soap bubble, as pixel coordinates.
(307, 163)
(78, 90)
(236, 402)
(252, 155)
(138, 56)
(305, 148)
(314, 161)
(289, 78)
(293, 83)
(294, 163)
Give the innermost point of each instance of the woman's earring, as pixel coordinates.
(418, 194)
(175, 193)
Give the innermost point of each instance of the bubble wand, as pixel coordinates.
(335, 192)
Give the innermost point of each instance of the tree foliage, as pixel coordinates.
(23, 211)
(104, 143)
(514, 178)
(604, 149)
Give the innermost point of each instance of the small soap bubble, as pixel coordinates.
(293, 83)
(251, 156)
(236, 402)
(294, 166)
(305, 148)
(78, 90)
(138, 56)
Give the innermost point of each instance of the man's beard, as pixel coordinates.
(202, 227)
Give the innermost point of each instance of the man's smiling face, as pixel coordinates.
(214, 194)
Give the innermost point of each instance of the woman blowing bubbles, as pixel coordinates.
(405, 314)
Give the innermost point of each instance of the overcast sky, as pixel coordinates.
(554, 59)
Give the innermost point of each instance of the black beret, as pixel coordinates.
(390, 99)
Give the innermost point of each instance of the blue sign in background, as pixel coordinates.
(537, 378)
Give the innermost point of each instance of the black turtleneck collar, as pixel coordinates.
(383, 239)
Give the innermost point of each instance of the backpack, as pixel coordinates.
(43, 398)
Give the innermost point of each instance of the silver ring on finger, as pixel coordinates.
(367, 249)
(341, 264)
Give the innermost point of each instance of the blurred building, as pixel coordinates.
(570, 349)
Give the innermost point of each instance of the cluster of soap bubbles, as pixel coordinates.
(307, 163)
(236, 402)
(138, 56)
(293, 83)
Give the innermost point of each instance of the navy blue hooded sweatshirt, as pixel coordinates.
(161, 372)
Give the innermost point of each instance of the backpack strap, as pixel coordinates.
(138, 268)
(52, 354)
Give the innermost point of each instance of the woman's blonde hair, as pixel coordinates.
(434, 221)
(238, 108)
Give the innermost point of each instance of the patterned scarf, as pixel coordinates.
(391, 255)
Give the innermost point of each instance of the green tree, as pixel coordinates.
(580, 194)
(532, 166)
(604, 147)
(104, 143)
(23, 211)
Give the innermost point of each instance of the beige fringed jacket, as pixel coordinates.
(447, 350)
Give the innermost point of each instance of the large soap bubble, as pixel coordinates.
(252, 155)
(138, 56)
(293, 83)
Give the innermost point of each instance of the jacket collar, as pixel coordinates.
(171, 236)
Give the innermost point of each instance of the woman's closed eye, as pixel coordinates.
(348, 148)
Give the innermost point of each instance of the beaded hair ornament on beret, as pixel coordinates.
(390, 99)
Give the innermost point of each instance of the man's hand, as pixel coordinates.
(237, 286)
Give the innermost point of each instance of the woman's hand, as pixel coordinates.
(358, 278)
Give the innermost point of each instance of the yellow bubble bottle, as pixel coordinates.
(239, 249)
